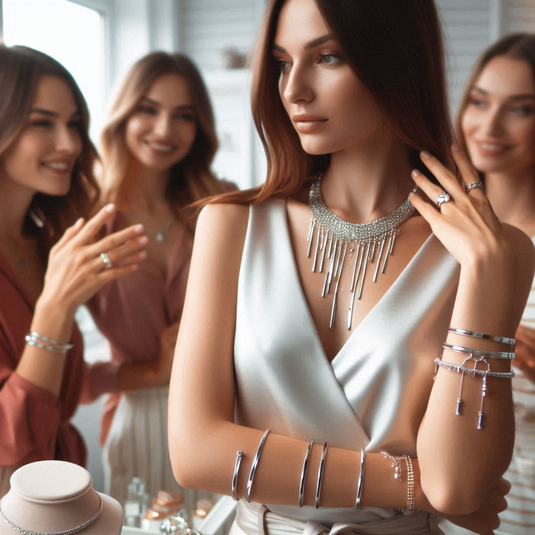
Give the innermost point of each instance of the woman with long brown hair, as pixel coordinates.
(157, 145)
(51, 260)
(496, 126)
(320, 308)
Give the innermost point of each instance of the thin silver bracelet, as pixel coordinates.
(41, 338)
(471, 371)
(304, 473)
(360, 483)
(237, 465)
(411, 502)
(469, 351)
(482, 336)
(320, 473)
(54, 349)
(254, 466)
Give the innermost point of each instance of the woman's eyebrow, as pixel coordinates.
(310, 45)
(50, 113)
(512, 97)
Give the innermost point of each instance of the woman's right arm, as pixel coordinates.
(74, 274)
(203, 437)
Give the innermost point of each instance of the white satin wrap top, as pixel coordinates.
(374, 393)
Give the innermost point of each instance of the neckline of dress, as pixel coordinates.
(302, 297)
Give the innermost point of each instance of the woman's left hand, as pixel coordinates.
(466, 225)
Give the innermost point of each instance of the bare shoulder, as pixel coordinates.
(223, 223)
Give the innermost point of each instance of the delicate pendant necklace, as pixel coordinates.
(331, 237)
(160, 233)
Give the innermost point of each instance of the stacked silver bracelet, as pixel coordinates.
(304, 474)
(237, 466)
(411, 498)
(254, 466)
(478, 357)
(360, 483)
(320, 474)
(48, 344)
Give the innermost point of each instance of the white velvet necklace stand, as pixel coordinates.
(55, 497)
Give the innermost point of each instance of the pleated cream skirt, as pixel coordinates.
(136, 445)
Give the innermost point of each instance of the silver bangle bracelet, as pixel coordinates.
(481, 336)
(320, 473)
(471, 371)
(360, 483)
(42, 338)
(304, 473)
(237, 465)
(254, 466)
(54, 349)
(469, 351)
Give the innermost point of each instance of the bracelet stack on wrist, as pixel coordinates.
(48, 344)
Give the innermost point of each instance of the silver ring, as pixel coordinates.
(442, 198)
(474, 185)
(106, 260)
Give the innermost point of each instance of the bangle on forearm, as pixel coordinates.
(254, 466)
(360, 483)
(49, 344)
(237, 466)
(304, 474)
(489, 354)
(411, 502)
(482, 336)
(320, 473)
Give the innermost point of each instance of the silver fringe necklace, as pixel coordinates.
(331, 237)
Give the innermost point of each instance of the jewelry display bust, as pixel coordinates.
(57, 498)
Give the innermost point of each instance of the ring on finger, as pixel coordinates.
(442, 198)
(474, 185)
(106, 260)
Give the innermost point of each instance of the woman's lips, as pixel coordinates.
(488, 148)
(306, 123)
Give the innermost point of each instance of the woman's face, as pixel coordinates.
(499, 120)
(329, 107)
(43, 156)
(161, 131)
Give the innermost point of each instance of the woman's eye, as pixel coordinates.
(147, 110)
(283, 65)
(41, 124)
(330, 59)
(523, 110)
(477, 102)
(189, 117)
(77, 125)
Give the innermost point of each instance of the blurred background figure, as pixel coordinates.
(496, 125)
(157, 146)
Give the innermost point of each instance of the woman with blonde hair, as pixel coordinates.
(52, 259)
(157, 146)
(496, 126)
(352, 372)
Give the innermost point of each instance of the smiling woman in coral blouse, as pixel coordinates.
(51, 260)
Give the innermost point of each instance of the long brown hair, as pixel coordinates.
(396, 50)
(520, 46)
(21, 68)
(190, 179)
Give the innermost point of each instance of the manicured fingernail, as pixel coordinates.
(143, 255)
(139, 229)
(415, 173)
(143, 240)
(110, 208)
(425, 154)
(455, 147)
(79, 223)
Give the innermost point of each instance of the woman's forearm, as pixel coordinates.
(39, 366)
(451, 449)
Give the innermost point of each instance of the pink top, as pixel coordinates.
(133, 311)
(34, 423)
